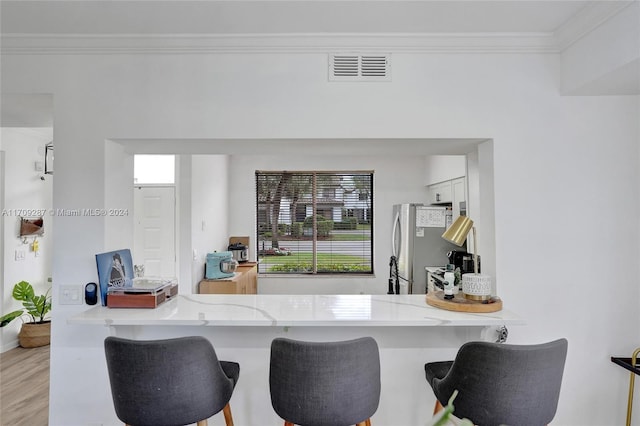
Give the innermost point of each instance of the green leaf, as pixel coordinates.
(443, 417)
(37, 306)
(32, 305)
(23, 291)
(6, 319)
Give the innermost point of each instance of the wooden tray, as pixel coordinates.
(460, 304)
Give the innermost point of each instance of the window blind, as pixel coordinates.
(315, 222)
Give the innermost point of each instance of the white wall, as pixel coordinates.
(24, 190)
(438, 168)
(567, 167)
(592, 65)
(118, 194)
(209, 210)
(481, 208)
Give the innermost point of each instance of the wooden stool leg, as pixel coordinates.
(202, 423)
(227, 415)
(367, 422)
(286, 423)
(437, 407)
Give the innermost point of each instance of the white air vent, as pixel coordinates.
(354, 67)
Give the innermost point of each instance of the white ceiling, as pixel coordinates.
(293, 16)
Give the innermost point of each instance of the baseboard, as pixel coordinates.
(9, 345)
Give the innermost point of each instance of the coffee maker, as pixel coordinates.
(463, 260)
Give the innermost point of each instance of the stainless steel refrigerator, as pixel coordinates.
(417, 242)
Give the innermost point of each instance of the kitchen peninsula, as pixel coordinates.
(241, 327)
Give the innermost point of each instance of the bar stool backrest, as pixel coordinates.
(325, 383)
(166, 382)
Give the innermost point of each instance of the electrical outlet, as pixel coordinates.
(20, 254)
(70, 295)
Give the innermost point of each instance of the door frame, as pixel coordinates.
(2, 177)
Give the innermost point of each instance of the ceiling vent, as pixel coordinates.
(354, 67)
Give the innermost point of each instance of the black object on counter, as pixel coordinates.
(91, 294)
(393, 276)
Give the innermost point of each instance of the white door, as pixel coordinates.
(154, 230)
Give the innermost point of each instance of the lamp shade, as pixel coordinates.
(457, 232)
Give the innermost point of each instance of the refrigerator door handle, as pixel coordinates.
(396, 226)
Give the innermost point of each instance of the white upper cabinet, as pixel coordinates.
(440, 193)
(445, 178)
(451, 192)
(440, 168)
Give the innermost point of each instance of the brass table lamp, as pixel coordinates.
(477, 286)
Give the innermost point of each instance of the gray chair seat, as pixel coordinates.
(500, 384)
(169, 382)
(325, 383)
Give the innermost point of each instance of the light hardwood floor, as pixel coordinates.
(24, 387)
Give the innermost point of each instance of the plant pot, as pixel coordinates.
(33, 335)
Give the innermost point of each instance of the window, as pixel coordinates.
(158, 169)
(315, 222)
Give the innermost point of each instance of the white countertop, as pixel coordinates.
(293, 310)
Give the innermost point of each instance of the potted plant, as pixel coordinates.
(445, 417)
(36, 331)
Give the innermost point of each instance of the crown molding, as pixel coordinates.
(590, 17)
(586, 20)
(69, 44)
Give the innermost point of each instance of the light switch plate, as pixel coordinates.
(70, 295)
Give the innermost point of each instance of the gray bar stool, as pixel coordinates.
(169, 382)
(325, 383)
(500, 384)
